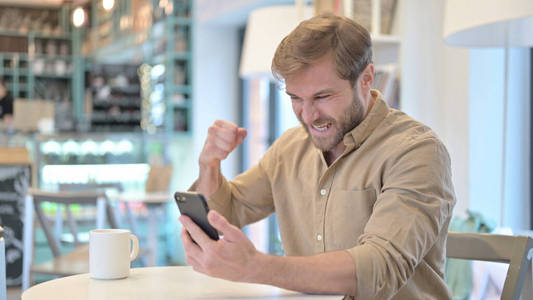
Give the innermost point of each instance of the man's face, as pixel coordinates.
(326, 105)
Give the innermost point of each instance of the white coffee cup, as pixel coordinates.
(111, 252)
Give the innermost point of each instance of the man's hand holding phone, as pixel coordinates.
(194, 206)
(232, 257)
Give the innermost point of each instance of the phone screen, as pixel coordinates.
(194, 206)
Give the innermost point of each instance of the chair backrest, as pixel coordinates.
(2, 265)
(33, 206)
(94, 187)
(517, 251)
(159, 178)
(66, 198)
(76, 187)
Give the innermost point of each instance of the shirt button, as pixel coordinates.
(322, 192)
(319, 237)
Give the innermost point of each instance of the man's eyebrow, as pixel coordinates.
(290, 94)
(324, 91)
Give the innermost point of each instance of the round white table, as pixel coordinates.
(159, 283)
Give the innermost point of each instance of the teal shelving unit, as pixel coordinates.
(166, 41)
(15, 76)
(118, 37)
(46, 63)
(177, 59)
(178, 84)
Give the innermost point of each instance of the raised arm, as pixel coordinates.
(222, 138)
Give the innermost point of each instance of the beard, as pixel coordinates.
(352, 117)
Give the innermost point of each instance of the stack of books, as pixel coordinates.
(386, 80)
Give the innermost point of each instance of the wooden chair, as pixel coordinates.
(517, 251)
(74, 262)
(111, 211)
(88, 187)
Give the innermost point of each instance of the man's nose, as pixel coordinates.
(309, 112)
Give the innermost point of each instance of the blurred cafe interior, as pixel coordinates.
(114, 97)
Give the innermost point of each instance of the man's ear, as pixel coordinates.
(366, 79)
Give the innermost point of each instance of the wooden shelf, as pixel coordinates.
(50, 57)
(36, 34)
(9, 71)
(53, 76)
(14, 156)
(14, 55)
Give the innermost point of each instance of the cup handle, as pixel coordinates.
(135, 247)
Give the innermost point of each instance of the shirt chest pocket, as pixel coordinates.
(347, 213)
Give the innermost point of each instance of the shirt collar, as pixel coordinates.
(359, 134)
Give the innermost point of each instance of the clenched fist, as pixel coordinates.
(222, 138)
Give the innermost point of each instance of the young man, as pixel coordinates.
(363, 193)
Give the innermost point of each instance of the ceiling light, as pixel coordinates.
(78, 16)
(108, 4)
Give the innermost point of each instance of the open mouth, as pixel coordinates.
(322, 127)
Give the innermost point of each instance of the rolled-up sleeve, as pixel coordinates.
(247, 198)
(414, 204)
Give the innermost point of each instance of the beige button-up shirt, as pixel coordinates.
(387, 200)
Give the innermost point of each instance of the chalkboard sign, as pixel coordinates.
(14, 184)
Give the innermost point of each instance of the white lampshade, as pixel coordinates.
(491, 23)
(482, 23)
(265, 29)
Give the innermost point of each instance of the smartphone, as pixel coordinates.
(194, 206)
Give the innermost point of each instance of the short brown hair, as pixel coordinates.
(349, 42)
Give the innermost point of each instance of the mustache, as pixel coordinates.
(323, 121)
(316, 122)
